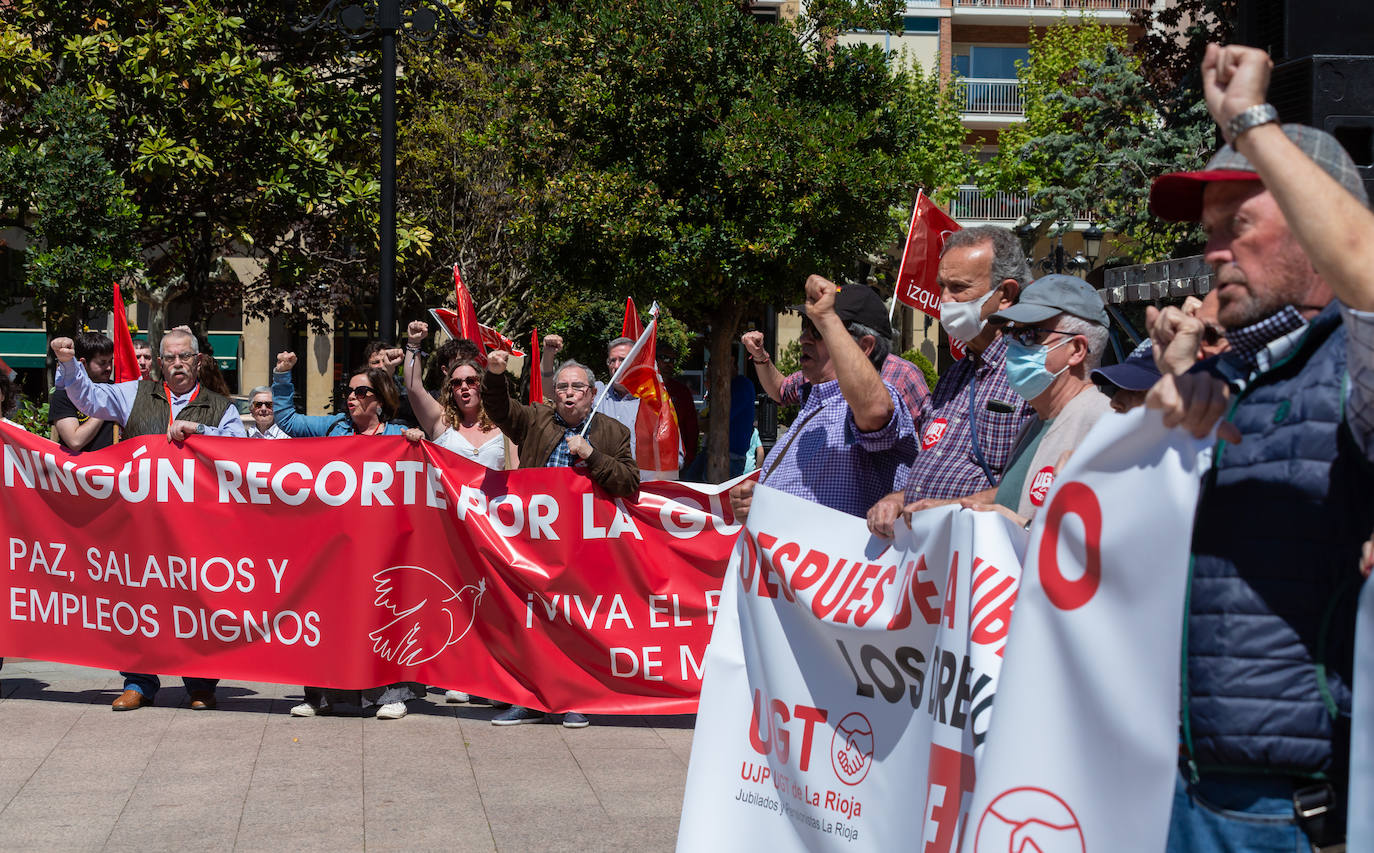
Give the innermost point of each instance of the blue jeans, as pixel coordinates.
(148, 684)
(1244, 814)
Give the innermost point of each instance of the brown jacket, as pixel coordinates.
(533, 428)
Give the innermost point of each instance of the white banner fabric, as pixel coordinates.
(848, 687)
(1084, 754)
(1360, 824)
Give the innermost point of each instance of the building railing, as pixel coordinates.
(973, 204)
(989, 96)
(1094, 5)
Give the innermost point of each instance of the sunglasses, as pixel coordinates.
(1029, 336)
(360, 391)
(575, 387)
(465, 381)
(262, 404)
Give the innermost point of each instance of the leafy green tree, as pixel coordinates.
(692, 154)
(79, 221)
(231, 134)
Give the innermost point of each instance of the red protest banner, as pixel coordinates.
(360, 561)
(921, 258)
(125, 362)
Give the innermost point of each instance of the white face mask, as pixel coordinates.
(964, 320)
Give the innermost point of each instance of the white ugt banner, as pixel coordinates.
(1084, 753)
(849, 684)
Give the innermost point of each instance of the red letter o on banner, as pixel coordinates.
(1063, 593)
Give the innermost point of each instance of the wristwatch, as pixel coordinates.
(1250, 117)
(200, 429)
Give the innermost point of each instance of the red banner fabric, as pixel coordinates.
(354, 562)
(657, 437)
(916, 285)
(489, 338)
(125, 362)
(630, 326)
(468, 327)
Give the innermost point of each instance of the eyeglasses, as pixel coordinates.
(575, 387)
(1029, 336)
(261, 404)
(360, 391)
(464, 381)
(174, 357)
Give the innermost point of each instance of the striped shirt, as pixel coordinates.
(946, 466)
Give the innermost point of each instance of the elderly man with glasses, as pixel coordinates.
(1056, 334)
(552, 438)
(177, 407)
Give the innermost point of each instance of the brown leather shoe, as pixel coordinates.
(130, 700)
(203, 701)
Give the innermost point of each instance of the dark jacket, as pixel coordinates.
(151, 413)
(533, 428)
(1271, 609)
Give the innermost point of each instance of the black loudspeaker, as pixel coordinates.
(1336, 94)
(1289, 29)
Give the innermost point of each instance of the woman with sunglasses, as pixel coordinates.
(372, 402)
(456, 420)
(264, 424)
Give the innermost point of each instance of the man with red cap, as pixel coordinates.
(1268, 642)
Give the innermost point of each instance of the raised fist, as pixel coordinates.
(416, 332)
(553, 343)
(820, 297)
(496, 361)
(64, 349)
(753, 342)
(285, 361)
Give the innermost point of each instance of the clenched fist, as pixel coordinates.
(64, 349)
(496, 361)
(285, 362)
(416, 332)
(753, 343)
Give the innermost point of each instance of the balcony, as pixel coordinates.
(1116, 12)
(972, 206)
(993, 97)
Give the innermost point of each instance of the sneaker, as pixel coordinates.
(455, 697)
(574, 720)
(392, 711)
(305, 709)
(516, 715)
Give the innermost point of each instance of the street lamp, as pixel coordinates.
(418, 21)
(1092, 244)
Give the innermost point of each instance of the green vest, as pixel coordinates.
(151, 411)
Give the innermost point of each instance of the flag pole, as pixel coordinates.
(915, 209)
(624, 366)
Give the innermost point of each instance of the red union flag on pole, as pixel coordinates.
(463, 323)
(536, 369)
(921, 258)
(125, 362)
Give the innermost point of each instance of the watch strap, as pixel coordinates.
(1250, 117)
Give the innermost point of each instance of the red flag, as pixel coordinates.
(657, 437)
(536, 373)
(921, 258)
(468, 327)
(125, 362)
(490, 339)
(630, 327)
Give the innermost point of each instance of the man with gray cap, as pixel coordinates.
(1268, 641)
(1056, 333)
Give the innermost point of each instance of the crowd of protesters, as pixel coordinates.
(1276, 363)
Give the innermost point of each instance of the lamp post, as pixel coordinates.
(420, 22)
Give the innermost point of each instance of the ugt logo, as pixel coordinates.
(851, 744)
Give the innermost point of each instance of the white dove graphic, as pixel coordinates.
(428, 615)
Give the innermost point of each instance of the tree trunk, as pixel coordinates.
(724, 326)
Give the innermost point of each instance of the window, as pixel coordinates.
(915, 24)
(998, 63)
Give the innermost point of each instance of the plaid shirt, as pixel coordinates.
(1248, 342)
(946, 466)
(829, 461)
(561, 456)
(905, 377)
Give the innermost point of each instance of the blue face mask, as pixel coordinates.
(1026, 372)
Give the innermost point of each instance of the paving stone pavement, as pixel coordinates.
(76, 776)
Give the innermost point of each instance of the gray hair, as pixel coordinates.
(1008, 258)
(591, 377)
(882, 347)
(195, 344)
(261, 389)
(1096, 335)
(617, 342)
